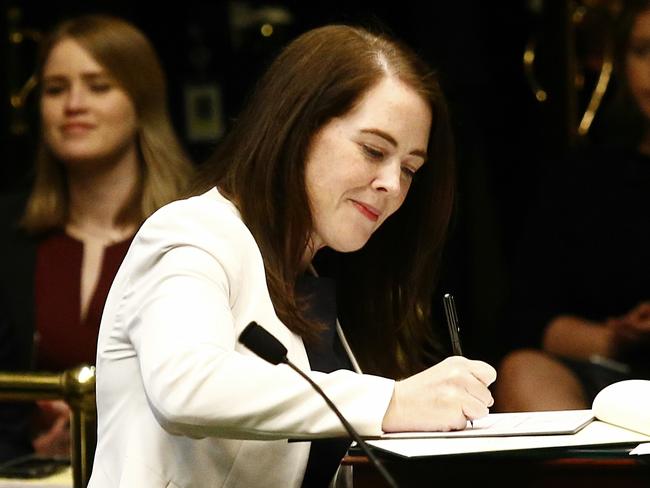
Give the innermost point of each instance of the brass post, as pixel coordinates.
(75, 386)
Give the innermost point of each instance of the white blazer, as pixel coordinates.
(180, 402)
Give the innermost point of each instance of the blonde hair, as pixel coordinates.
(131, 60)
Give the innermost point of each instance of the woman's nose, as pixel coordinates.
(388, 177)
(76, 99)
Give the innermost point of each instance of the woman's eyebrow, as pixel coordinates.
(87, 75)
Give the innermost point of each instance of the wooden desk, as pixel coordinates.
(517, 470)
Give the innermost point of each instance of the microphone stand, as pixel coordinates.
(266, 346)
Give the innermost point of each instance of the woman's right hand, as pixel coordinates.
(441, 398)
(52, 426)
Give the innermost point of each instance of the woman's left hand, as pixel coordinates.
(631, 330)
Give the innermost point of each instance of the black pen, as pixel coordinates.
(452, 323)
(454, 330)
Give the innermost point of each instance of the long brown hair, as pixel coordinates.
(385, 289)
(130, 59)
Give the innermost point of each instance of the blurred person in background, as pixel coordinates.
(581, 304)
(106, 159)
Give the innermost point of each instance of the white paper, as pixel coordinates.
(512, 424)
(625, 403)
(641, 449)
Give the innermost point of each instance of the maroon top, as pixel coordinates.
(62, 340)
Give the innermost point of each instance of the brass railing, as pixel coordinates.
(588, 20)
(77, 388)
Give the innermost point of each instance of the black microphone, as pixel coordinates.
(265, 345)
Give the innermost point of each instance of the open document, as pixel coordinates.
(620, 414)
(595, 433)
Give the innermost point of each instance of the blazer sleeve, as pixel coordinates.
(192, 290)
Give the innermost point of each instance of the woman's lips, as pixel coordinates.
(74, 127)
(371, 213)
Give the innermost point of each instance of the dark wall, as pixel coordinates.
(502, 133)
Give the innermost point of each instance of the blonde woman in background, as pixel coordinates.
(107, 158)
